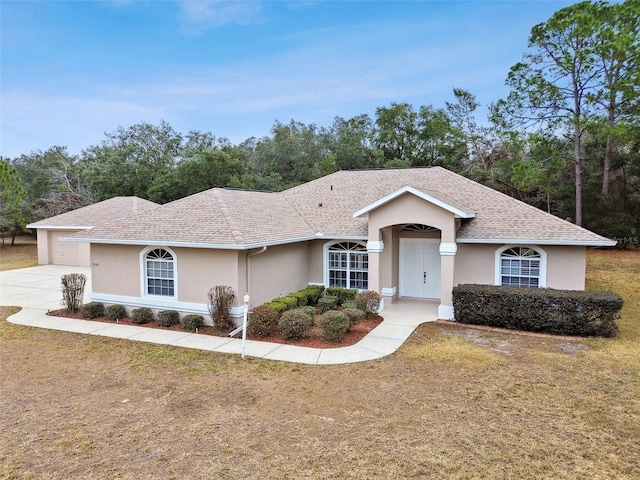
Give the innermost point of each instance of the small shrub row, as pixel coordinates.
(343, 294)
(115, 312)
(327, 302)
(142, 315)
(295, 323)
(92, 310)
(192, 322)
(560, 312)
(168, 318)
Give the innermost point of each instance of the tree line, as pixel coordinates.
(566, 139)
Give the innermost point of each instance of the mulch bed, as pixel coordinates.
(313, 339)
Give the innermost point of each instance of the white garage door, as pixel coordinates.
(63, 253)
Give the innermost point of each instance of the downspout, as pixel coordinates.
(248, 272)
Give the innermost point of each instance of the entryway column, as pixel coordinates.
(447, 263)
(374, 249)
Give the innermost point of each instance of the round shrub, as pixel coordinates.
(309, 310)
(327, 302)
(368, 302)
(349, 304)
(168, 318)
(92, 310)
(192, 322)
(355, 316)
(263, 320)
(115, 312)
(142, 315)
(334, 325)
(294, 324)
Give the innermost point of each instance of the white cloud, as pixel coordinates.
(198, 16)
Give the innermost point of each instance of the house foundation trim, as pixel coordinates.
(388, 292)
(445, 312)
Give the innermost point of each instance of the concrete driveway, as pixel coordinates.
(37, 290)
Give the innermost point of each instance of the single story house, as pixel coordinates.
(51, 251)
(413, 232)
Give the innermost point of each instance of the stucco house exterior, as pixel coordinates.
(405, 233)
(51, 251)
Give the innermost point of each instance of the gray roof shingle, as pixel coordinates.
(237, 218)
(97, 214)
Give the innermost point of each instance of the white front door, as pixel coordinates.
(420, 267)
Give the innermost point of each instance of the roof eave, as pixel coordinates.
(533, 241)
(59, 227)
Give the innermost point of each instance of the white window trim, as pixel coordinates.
(542, 283)
(325, 256)
(143, 274)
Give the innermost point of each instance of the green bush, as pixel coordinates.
(313, 292)
(294, 324)
(343, 294)
(277, 306)
(73, 291)
(355, 316)
(168, 318)
(334, 325)
(368, 302)
(115, 312)
(349, 304)
(301, 297)
(220, 300)
(192, 322)
(560, 312)
(263, 320)
(309, 310)
(142, 315)
(327, 302)
(92, 310)
(289, 301)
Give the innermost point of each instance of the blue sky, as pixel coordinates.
(72, 70)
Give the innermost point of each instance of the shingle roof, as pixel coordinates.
(220, 217)
(239, 219)
(97, 214)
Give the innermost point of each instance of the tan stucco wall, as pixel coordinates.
(199, 269)
(279, 270)
(476, 263)
(48, 239)
(316, 261)
(115, 269)
(566, 267)
(410, 209)
(43, 246)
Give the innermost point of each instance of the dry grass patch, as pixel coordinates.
(449, 404)
(21, 255)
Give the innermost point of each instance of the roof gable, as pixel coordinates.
(458, 212)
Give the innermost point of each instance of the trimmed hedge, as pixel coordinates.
(294, 323)
(343, 294)
(115, 312)
(168, 318)
(263, 320)
(327, 302)
(192, 322)
(559, 312)
(313, 292)
(92, 310)
(142, 315)
(334, 325)
(355, 316)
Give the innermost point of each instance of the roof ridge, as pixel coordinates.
(226, 213)
(302, 217)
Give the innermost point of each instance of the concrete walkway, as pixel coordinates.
(37, 290)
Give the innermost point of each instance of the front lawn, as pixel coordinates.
(451, 403)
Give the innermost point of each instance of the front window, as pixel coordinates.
(159, 273)
(349, 266)
(520, 267)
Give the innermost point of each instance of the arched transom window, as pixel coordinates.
(418, 227)
(160, 272)
(349, 265)
(520, 267)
